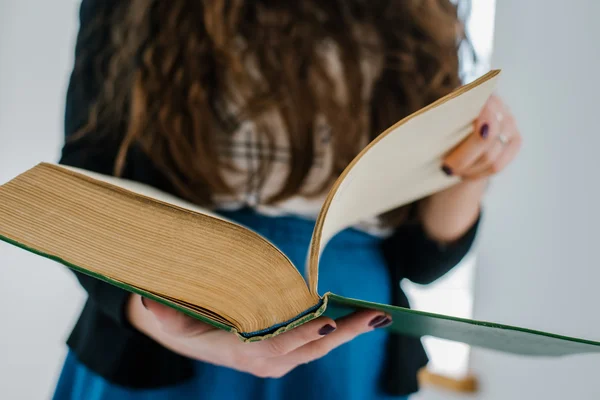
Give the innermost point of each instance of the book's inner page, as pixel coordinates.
(402, 165)
(203, 263)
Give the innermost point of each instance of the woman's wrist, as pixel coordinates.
(446, 216)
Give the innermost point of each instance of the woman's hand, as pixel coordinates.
(271, 358)
(490, 148)
(494, 143)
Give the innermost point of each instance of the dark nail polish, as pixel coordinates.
(377, 320)
(447, 170)
(484, 131)
(326, 330)
(144, 302)
(383, 324)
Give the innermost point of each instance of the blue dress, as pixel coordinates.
(352, 265)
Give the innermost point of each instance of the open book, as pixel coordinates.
(154, 244)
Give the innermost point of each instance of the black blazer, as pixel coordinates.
(103, 339)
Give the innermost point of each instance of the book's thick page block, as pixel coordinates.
(504, 338)
(400, 166)
(204, 265)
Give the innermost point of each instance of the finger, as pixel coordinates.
(486, 129)
(485, 161)
(174, 322)
(491, 119)
(287, 342)
(511, 151)
(258, 358)
(222, 345)
(348, 328)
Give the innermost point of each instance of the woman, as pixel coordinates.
(253, 108)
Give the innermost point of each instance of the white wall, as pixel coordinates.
(537, 261)
(39, 300)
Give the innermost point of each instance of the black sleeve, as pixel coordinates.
(93, 152)
(421, 259)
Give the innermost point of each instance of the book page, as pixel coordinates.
(400, 166)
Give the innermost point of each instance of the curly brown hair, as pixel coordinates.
(172, 65)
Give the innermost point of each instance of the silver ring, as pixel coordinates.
(503, 139)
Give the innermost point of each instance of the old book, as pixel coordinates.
(150, 243)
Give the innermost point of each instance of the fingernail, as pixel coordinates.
(447, 170)
(383, 324)
(144, 302)
(377, 320)
(326, 330)
(484, 131)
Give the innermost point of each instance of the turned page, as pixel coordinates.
(402, 165)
